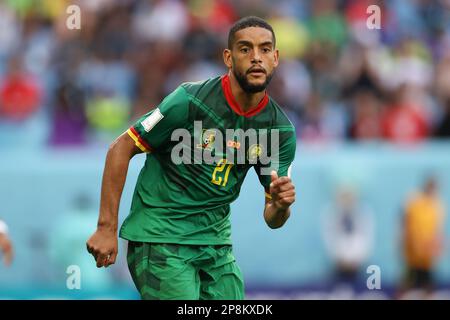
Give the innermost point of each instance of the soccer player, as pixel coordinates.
(179, 228)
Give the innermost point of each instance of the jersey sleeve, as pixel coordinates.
(155, 128)
(281, 162)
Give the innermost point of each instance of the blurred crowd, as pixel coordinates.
(338, 80)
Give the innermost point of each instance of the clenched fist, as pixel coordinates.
(103, 246)
(282, 191)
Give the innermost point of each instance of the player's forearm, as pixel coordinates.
(276, 217)
(114, 176)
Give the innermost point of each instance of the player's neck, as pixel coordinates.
(245, 100)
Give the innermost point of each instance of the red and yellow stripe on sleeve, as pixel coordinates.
(267, 193)
(140, 143)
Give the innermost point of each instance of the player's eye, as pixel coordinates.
(266, 50)
(244, 50)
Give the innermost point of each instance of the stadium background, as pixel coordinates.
(371, 109)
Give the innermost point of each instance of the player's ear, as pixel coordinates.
(227, 58)
(276, 54)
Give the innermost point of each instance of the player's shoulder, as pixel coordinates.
(201, 88)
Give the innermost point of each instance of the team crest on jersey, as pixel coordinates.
(208, 138)
(254, 152)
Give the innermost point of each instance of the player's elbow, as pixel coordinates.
(114, 150)
(123, 146)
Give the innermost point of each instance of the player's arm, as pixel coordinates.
(103, 243)
(280, 197)
(148, 134)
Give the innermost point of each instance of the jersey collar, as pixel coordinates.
(226, 87)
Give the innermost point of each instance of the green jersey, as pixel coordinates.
(182, 196)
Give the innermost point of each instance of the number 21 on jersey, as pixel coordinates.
(218, 177)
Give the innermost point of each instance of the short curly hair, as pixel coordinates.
(248, 22)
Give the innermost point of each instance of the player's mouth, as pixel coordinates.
(257, 71)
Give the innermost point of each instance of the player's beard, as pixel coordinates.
(247, 86)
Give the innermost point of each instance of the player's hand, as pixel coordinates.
(103, 246)
(282, 191)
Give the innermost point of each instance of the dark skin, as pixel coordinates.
(253, 50)
(253, 54)
(103, 243)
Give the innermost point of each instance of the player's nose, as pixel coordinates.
(256, 58)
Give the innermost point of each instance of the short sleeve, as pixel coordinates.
(155, 128)
(281, 162)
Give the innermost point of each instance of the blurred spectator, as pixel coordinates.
(348, 232)
(19, 93)
(324, 75)
(107, 114)
(358, 68)
(366, 122)
(69, 120)
(322, 122)
(327, 24)
(292, 36)
(412, 65)
(423, 240)
(404, 120)
(356, 17)
(163, 20)
(442, 80)
(10, 36)
(443, 129)
(5, 244)
(215, 15)
(129, 54)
